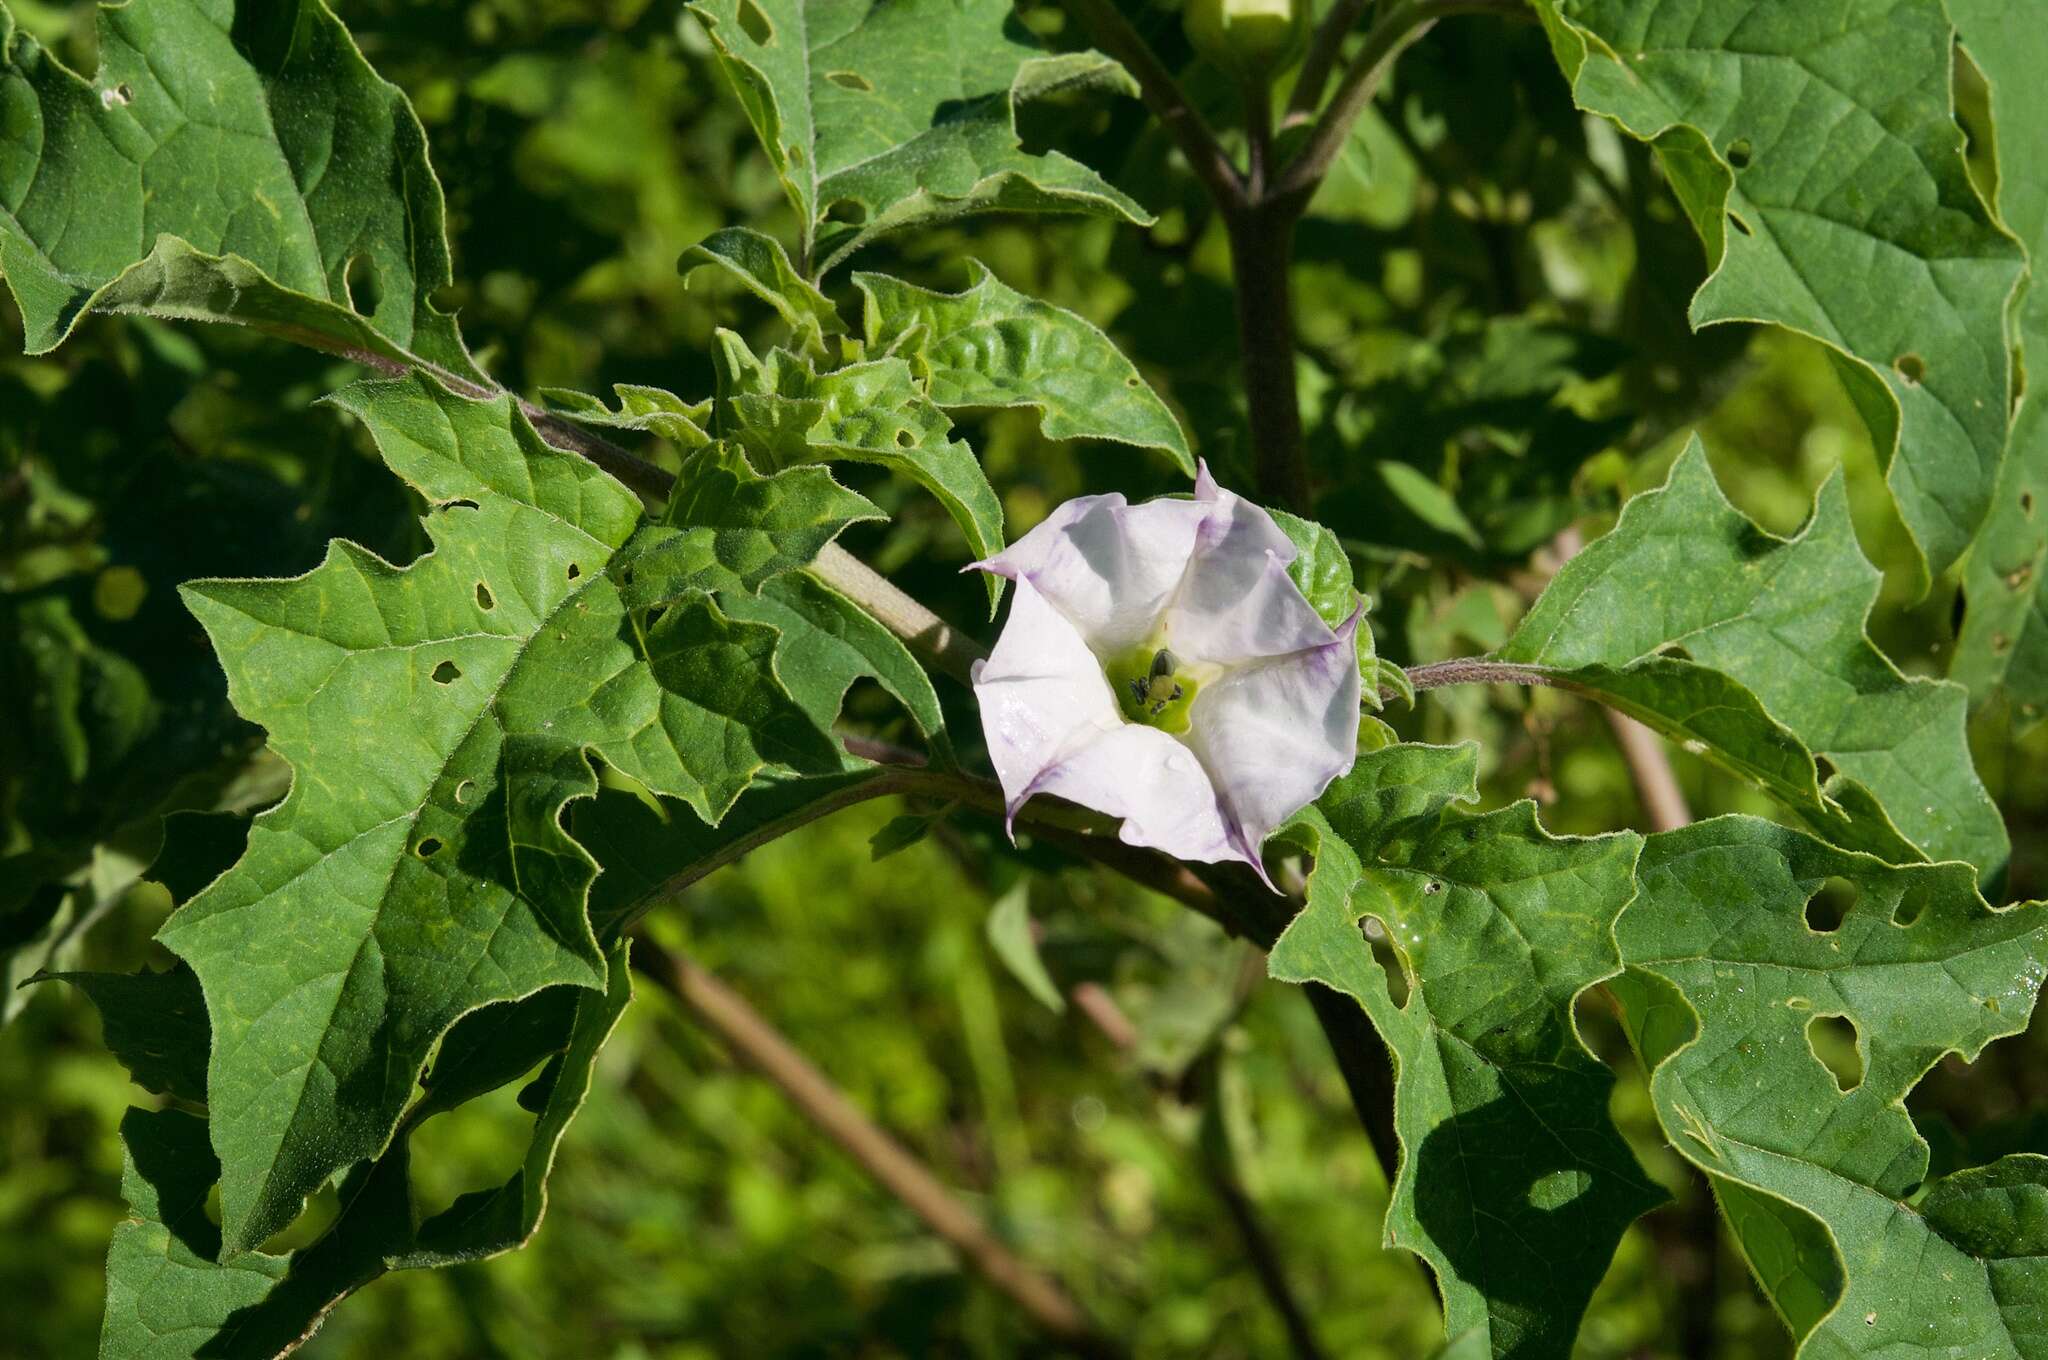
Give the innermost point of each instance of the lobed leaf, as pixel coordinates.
(1784, 619)
(228, 162)
(2004, 637)
(991, 346)
(1814, 148)
(437, 718)
(882, 117)
(1514, 1185)
(1815, 1168)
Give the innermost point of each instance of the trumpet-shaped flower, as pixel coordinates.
(1160, 665)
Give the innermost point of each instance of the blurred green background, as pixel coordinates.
(1492, 295)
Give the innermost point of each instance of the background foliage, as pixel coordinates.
(1493, 292)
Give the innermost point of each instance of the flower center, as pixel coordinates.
(1152, 688)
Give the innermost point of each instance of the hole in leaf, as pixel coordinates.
(1399, 985)
(2000, 643)
(365, 289)
(1594, 1017)
(575, 570)
(1912, 368)
(846, 211)
(463, 790)
(2026, 502)
(1132, 381)
(793, 153)
(851, 80)
(484, 598)
(427, 848)
(447, 673)
(1833, 1041)
(1739, 225)
(1909, 909)
(1740, 153)
(755, 24)
(1559, 1188)
(447, 506)
(625, 576)
(117, 97)
(1826, 909)
(904, 439)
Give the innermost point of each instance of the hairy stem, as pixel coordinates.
(1261, 249)
(762, 1047)
(951, 650)
(1163, 95)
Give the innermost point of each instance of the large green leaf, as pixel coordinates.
(1686, 570)
(2004, 638)
(878, 117)
(992, 346)
(436, 718)
(229, 162)
(1514, 1185)
(1814, 148)
(1728, 995)
(174, 1291)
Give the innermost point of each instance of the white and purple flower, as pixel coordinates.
(1160, 665)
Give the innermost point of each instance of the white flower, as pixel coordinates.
(1159, 665)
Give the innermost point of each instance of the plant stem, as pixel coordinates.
(1261, 249)
(951, 650)
(763, 1048)
(1323, 51)
(1163, 95)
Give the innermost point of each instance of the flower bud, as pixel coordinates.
(1250, 39)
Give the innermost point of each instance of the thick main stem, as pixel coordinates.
(1261, 249)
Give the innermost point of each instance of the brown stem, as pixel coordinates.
(1472, 670)
(1162, 94)
(762, 1047)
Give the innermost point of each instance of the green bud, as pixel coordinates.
(1251, 39)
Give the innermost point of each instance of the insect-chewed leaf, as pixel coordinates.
(437, 718)
(993, 346)
(2004, 638)
(897, 114)
(1784, 619)
(332, 234)
(1514, 1185)
(1738, 1003)
(1773, 121)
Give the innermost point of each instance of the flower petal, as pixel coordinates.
(1156, 785)
(1273, 734)
(1237, 602)
(1042, 694)
(1111, 567)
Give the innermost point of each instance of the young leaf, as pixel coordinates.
(883, 118)
(1730, 995)
(1009, 935)
(437, 717)
(992, 346)
(225, 164)
(1774, 124)
(1784, 618)
(760, 264)
(2004, 637)
(1513, 1184)
(643, 410)
(783, 412)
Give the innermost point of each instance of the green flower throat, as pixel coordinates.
(1152, 688)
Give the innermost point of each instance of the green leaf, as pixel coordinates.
(643, 410)
(828, 642)
(155, 1023)
(1684, 569)
(167, 1291)
(254, 1306)
(1730, 995)
(992, 346)
(2004, 637)
(1009, 935)
(437, 717)
(1513, 1184)
(112, 189)
(782, 411)
(1998, 1215)
(760, 264)
(1776, 125)
(887, 117)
